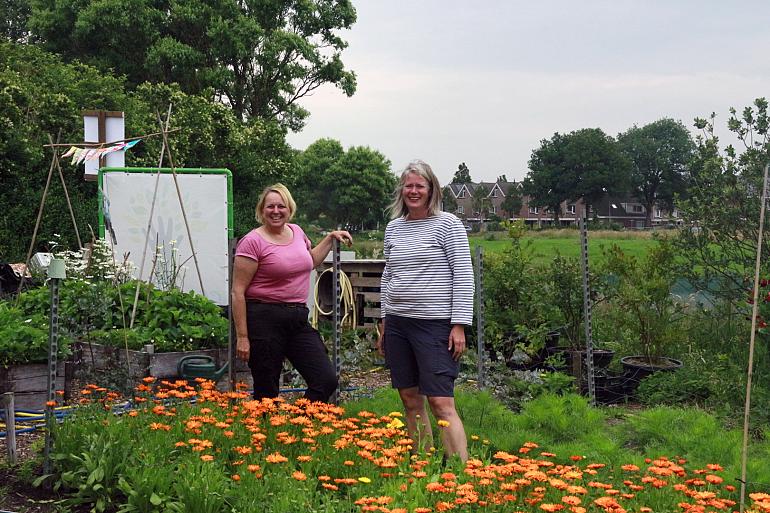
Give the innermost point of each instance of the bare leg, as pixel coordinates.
(416, 418)
(453, 435)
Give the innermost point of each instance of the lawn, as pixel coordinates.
(548, 243)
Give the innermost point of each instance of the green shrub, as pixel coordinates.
(24, 339)
(100, 312)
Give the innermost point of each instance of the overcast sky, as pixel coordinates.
(482, 82)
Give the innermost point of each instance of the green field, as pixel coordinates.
(546, 245)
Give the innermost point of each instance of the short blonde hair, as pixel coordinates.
(422, 169)
(285, 195)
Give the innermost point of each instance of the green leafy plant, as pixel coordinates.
(24, 338)
(518, 313)
(641, 290)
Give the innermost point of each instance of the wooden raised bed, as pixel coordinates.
(158, 365)
(29, 384)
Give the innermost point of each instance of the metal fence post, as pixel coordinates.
(480, 315)
(56, 272)
(587, 309)
(336, 296)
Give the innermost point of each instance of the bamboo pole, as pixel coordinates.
(749, 374)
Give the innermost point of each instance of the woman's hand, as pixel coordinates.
(380, 344)
(343, 236)
(242, 347)
(457, 341)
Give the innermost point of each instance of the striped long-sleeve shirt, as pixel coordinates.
(428, 272)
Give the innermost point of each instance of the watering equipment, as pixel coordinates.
(200, 366)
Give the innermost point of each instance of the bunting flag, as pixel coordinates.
(82, 154)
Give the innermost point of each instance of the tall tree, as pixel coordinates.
(480, 201)
(462, 175)
(513, 201)
(13, 20)
(585, 164)
(350, 188)
(723, 204)
(660, 154)
(450, 203)
(260, 58)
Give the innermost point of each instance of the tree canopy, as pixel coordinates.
(462, 175)
(258, 57)
(349, 188)
(41, 95)
(660, 154)
(584, 164)
(723, 204)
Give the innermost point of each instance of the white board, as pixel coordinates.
(127, 201)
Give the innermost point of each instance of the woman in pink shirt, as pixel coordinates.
(271, 279)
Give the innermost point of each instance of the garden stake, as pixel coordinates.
(754, 308)
(587, 309)
(181, 205)
(480, 315)
(336, 294)
(56, 273)
(10, 426)
(66, 194)
(37, 221)
(149, 223)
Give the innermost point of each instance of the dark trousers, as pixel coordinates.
(278, 331)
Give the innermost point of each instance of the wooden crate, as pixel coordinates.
(29, 384)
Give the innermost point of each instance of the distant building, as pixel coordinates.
(483, 201)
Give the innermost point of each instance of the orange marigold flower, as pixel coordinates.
(236, 477)
(330, 486)
(571, 500)
(444, 506)
(299, 476)
(348, 463)
(551, 507)
(575, 457)
(422, 510)
(207, 457)
(714, 479)
(645, 509)
(714, 466)
(577, 509)
(630, 468)
(50, 403)
(304, 458)
(276, 457)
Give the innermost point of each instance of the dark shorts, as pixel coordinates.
(416, 354)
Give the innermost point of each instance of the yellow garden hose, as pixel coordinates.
(347, 302)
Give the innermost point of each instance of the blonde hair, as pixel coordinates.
(422, 169)
(285, 195)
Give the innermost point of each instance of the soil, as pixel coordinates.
(16, 493)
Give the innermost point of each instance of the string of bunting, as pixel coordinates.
(82, 154)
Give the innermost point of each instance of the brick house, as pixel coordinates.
(483, 201)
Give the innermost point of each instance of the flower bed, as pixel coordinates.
(227, 453)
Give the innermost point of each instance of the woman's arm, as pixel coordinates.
(322, 249)
(243, 272)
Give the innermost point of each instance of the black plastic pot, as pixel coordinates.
(638, 367)
(602, 357)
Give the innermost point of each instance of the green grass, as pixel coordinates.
(546, 245)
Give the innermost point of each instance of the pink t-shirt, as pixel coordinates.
(283, 274)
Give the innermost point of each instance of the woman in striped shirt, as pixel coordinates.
(426, 301)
